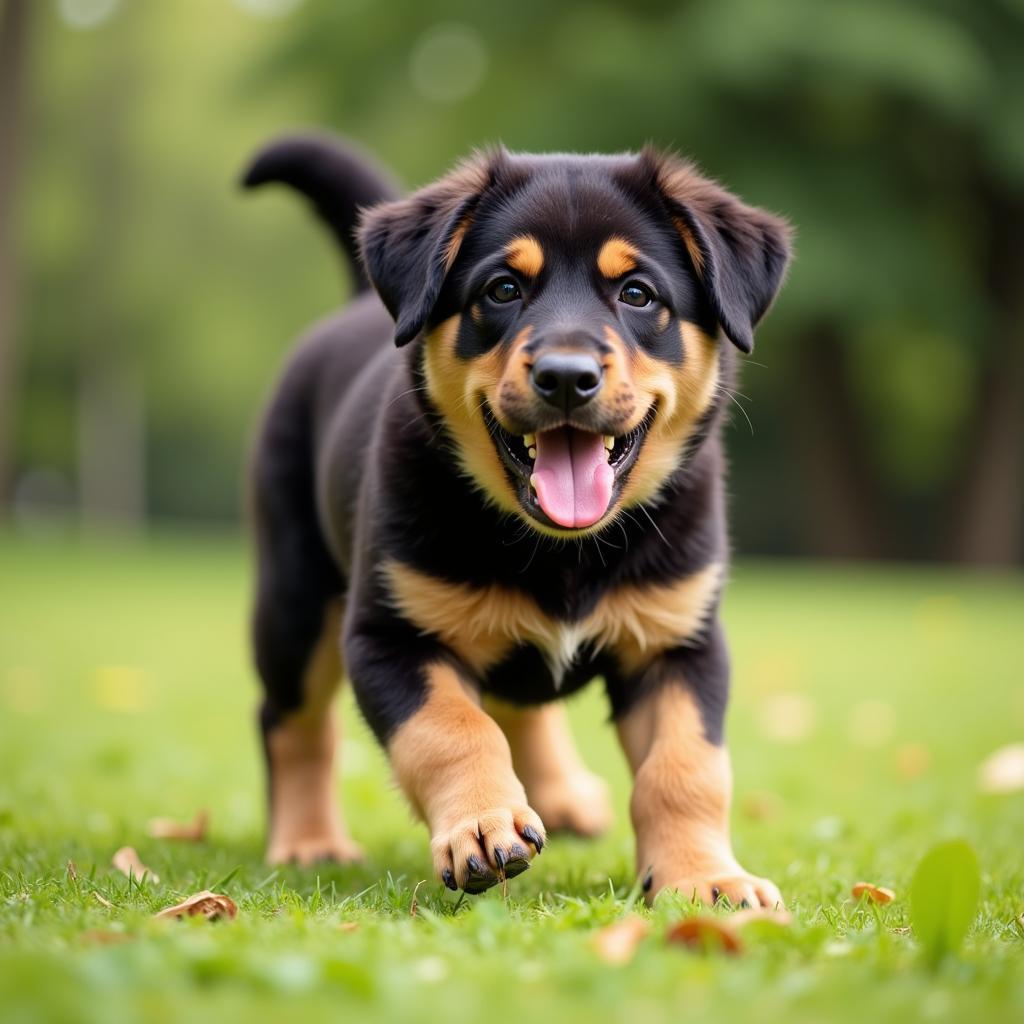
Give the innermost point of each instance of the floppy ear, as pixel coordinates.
(739, 252)
(408, 246)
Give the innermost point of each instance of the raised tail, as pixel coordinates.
(334, 176)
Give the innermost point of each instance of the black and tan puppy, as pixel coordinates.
(498, 477)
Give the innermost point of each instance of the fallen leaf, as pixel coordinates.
(103, 901)
(703, 932)
(875, 893)
(741, 918)
(1003, 770)
(616, 943)
(190, 832)
(787, 717)
(944, 897)
(913, 760)
(127, 861)
(211, 905)
(99, 937)
(72, 871)
(761, 806)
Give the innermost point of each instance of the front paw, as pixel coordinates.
(730, 883)
(476, 851)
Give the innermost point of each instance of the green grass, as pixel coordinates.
(126, 693)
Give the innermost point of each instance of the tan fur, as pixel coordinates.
(683, 393)
(459, 389)
(692, 246)
(455, 767)
(525, 255)
(482, 624)
(558, 785)
(305, 821)
(680, 804)
(616, 258)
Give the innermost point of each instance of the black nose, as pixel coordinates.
(566, 379)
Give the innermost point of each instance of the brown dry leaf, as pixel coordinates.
(616, 943)
(103, 901)
(740, 918)
(875, 893)
(414, 906)
(189, 832)
(702, 931)
(913, 760)
(127, 861)
(1003, 770)
(348, 926)
(72, 871)
(99, 937)
(211, 905)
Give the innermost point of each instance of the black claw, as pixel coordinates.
(716, 894)
(449, 879)
(530, 833)
(474, 865)
(499, 857)
(516, 851)
(480, 876)
(744, 904)
(648, 880)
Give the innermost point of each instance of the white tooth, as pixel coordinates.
(529, 440)
(609, 442)
(532, 452)
(533, 483)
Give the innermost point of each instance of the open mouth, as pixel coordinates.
(566, 476)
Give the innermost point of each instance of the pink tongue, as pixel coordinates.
(572, 477)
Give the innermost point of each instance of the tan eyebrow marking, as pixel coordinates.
(617, 257)
(525, 255)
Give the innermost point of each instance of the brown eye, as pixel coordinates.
(504, 290)
(636, 294)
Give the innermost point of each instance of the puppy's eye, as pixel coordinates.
(504, 290)
(636, 294)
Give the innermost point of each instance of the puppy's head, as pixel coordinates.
(570, 312)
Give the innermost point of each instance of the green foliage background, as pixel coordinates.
(889, 133)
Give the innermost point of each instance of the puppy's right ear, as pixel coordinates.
(408, 246)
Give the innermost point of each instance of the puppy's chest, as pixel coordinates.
(489, 627)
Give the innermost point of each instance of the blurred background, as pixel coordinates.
(145, 303)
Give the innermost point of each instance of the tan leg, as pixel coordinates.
(558, 784)
(680, 804)
(454, 764)
(305, 820)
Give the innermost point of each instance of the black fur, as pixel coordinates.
(354, 465)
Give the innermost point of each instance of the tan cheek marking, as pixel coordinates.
(616, 257)
(682, 788)
(305, 822)
(525, 255)
(455, 387)
(684, 394)
(482, 624)
(450, 758)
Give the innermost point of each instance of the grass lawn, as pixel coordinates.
(864, 700)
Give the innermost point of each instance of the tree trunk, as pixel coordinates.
(987, 517)
(842, 503)
(13, 53)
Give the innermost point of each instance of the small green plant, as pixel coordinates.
(944, 898)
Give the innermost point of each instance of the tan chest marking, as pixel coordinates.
(483, 624)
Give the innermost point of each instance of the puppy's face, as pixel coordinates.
(570, 319)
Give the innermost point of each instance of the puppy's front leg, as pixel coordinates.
(683, 781)
(452, 762)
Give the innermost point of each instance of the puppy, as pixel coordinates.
(495, 476)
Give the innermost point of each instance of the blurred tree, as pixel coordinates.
(14, 29)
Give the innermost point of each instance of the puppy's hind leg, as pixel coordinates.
(564, 792)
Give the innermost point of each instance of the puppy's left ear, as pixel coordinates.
(408, 246)
(739, 252)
